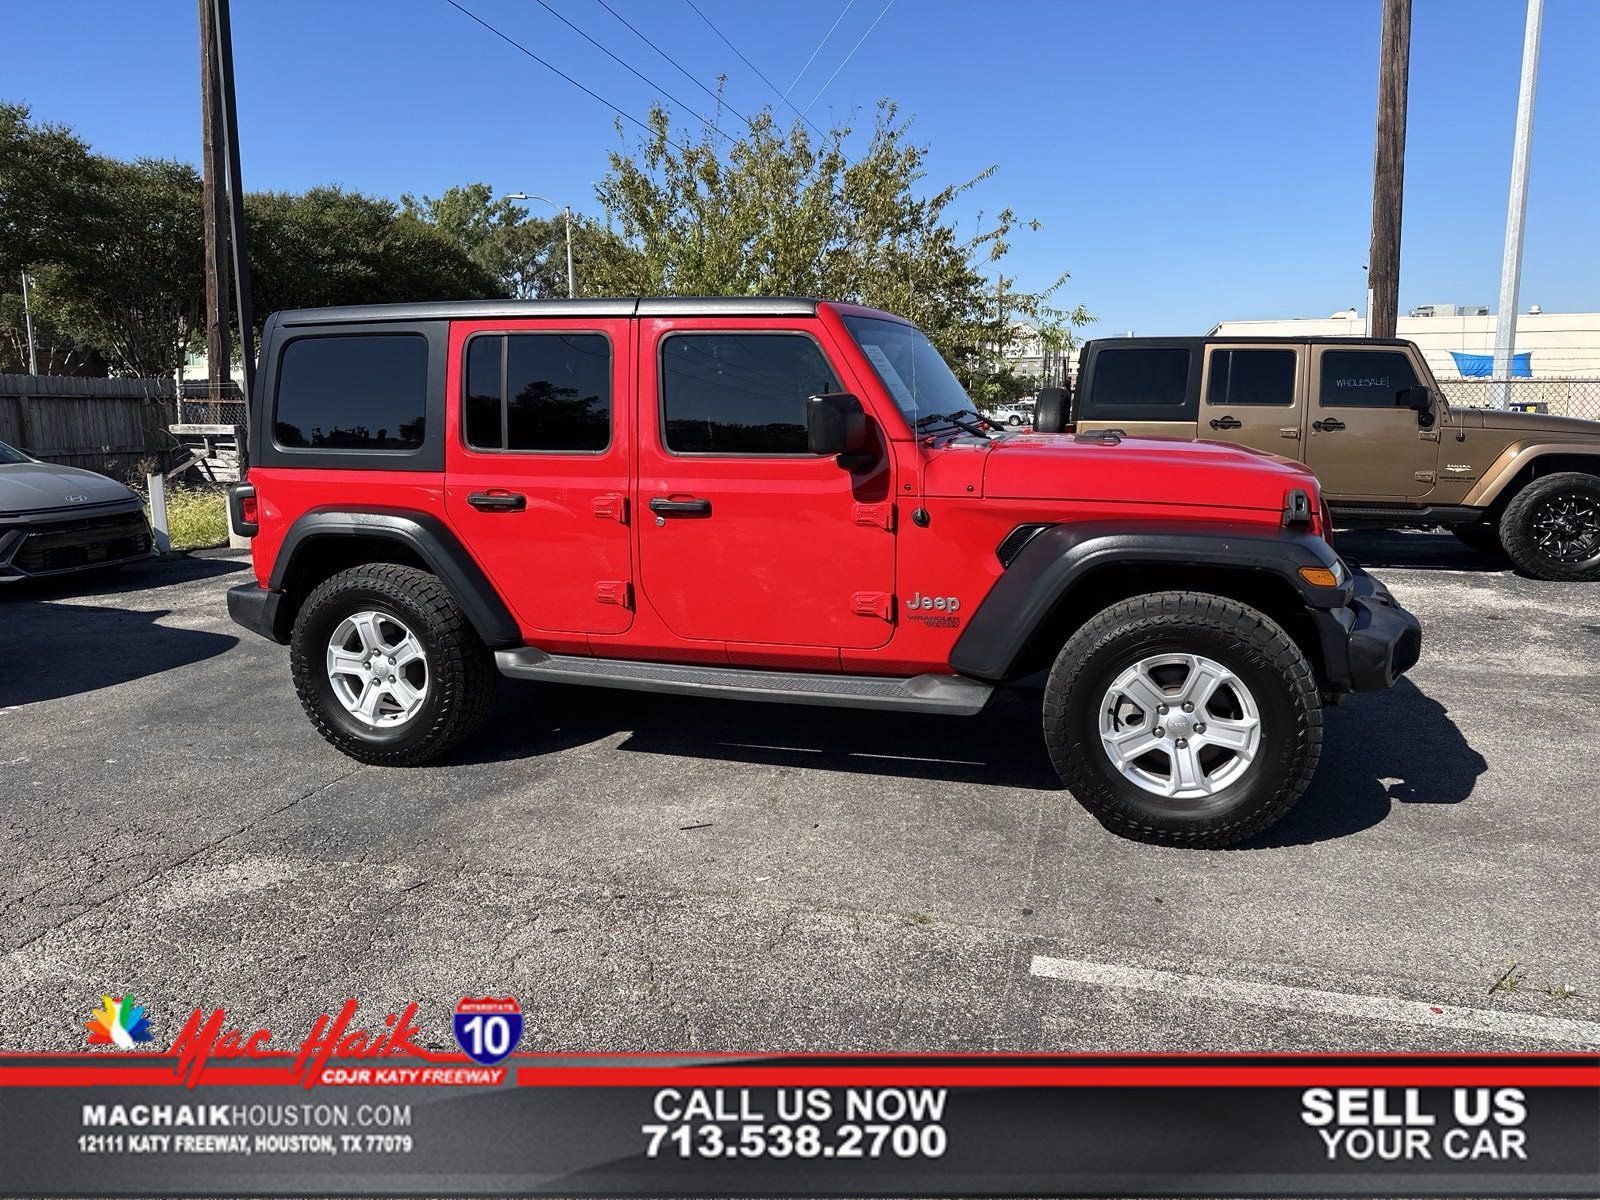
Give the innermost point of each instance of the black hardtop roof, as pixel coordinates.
(1214, 339)
(616, 306)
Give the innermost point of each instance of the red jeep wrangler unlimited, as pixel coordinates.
(784, 500)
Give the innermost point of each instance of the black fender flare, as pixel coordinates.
(1058, 559)
(426, 536)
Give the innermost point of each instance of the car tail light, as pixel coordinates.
(249, 509)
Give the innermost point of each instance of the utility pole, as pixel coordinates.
(1505, 324)
(1389, 170)
(214, 214)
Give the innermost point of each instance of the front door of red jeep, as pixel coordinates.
(536, 467)
(744, 536)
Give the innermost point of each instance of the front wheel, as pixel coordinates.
(1184, 719)
(387, 666)
(1551, 529)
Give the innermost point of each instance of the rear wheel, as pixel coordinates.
(1551, 529)
(1183, 718)
(387, 666)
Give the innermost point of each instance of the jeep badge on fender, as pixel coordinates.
(698, 496)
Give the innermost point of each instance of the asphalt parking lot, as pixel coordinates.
(649, 873)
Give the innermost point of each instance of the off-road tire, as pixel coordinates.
(1518, 536)
(1246, 641)
(1484, 537)
(461, 677)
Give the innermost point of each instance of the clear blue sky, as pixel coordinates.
(1190, 162)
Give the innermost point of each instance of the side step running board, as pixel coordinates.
(955, 695)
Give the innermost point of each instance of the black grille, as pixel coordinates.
(63, 547)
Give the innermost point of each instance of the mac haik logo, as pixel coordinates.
(119, 1022)
(488, 1029)
(207, 1037)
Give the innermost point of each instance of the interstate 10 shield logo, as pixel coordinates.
(488, 1029)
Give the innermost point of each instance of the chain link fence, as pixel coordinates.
(1557, 397)
(203, 405)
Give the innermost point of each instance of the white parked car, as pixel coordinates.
(1012, 415)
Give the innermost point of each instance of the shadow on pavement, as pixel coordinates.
(54, 650)
(1379, 749)
(1003, 745)
(1379, 548)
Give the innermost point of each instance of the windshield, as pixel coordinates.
(920, 381)
(10, 457)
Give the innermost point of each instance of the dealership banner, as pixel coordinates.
(347, 1109)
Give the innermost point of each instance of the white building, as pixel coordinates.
(1559, 345)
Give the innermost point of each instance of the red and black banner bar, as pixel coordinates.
(845, 1125)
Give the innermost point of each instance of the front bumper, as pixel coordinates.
(37, 545)
(1370, 642)
(258, 609)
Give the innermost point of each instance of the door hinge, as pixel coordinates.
(614, 591)
(1290, 431)
(873, 604)
(612, 506)
(880, 516)
(1425, 477)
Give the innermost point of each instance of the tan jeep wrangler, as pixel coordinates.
(1367, 415)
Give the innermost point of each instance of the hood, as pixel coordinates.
(33, 486)
(1141, 470)
(1533, 424)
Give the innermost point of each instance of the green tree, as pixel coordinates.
(527, 254)
(329, 246)
(132, 289)
(50, 193)
(776, 213)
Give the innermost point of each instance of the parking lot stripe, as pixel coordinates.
(1335, 1004)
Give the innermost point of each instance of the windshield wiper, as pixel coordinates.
(956, 418)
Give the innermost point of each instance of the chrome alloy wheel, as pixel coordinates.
(378, 669)
(1180, 725)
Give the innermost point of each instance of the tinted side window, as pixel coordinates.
(1251, 377)
(363, 392)
(739, 393)
(1141, 378)
(539, 391)
(1364, 378)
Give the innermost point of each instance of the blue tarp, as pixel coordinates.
(1481, 366)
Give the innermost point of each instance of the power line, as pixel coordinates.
(510, 41)
(751, 65)
(849, 4)
(849, 56)
(711, 125)
(674, 61)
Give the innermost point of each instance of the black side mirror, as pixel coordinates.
(837, 424)
(1419, 400)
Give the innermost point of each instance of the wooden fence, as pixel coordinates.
(114, 426)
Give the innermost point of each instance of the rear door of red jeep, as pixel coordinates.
(536, 467)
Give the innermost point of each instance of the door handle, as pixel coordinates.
(662, 506)
(1328, 425)
(1290, 431)
(498, 501)
(1228, 422)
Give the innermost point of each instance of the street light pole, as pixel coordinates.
(27, 318)
(1505, 325)
(566, 212)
